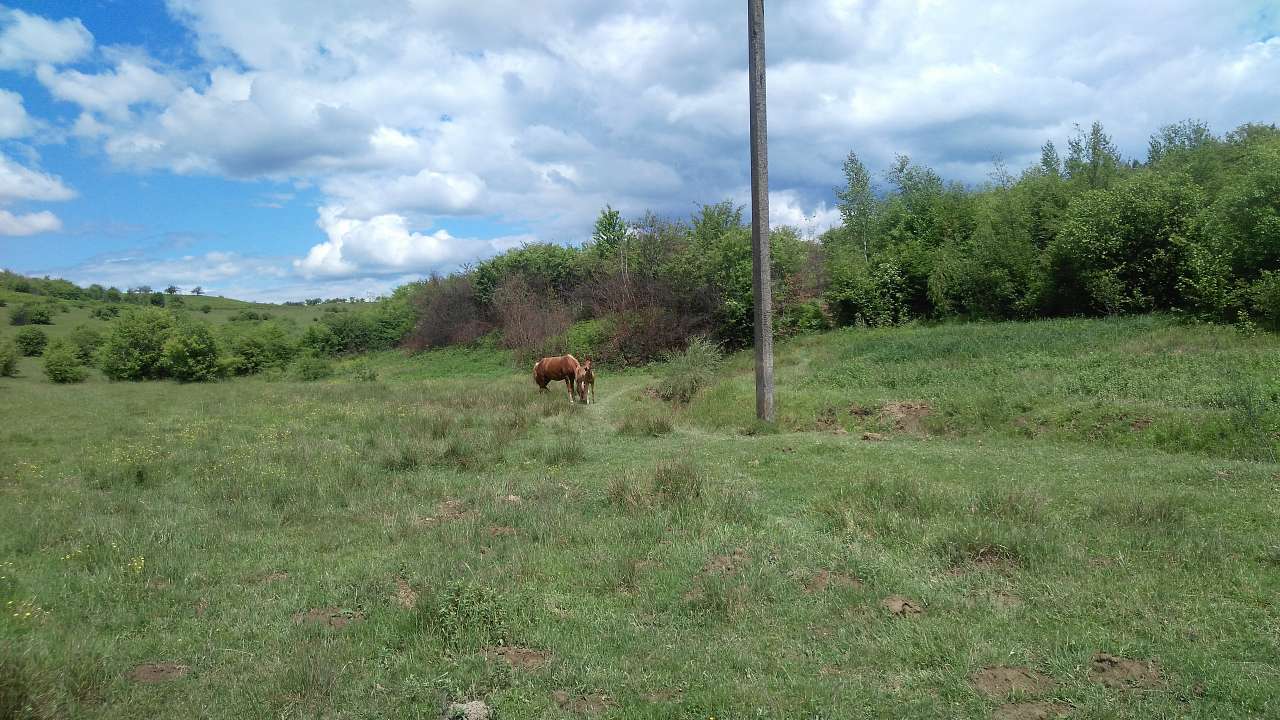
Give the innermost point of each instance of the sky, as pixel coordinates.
(284, 149)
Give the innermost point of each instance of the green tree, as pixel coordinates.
(31, 341)
(62, 365)
(1092, 158)
(190, 353)
(134, 346)
(86, 339)
(857, 204)
(8, 359)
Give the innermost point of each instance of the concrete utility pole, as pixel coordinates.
(760, 213)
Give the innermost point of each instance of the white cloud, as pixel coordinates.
(30, 39)
(14, 121)
(208, 270)
(22, 183)
(112, 92)
(28, 224)
(382, 244)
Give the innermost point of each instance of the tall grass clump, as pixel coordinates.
(685, 373)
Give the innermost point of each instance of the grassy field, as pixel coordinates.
(1009, 521)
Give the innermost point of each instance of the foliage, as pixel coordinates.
(62, 363)
(31, 341)
(86, 339)
(31, 314)
(134, 346)
(260, 347)
(687, 372)
(8, 359)
(191, 353)
(311, 367)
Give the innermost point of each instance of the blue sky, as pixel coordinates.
(280, 149)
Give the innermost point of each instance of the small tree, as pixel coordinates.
(197, 290)
(8, 359)
(28, 314)
(86, 340)
(31, 341)
(191, 353)
(172, 290)
(61, 365)
(134, 347)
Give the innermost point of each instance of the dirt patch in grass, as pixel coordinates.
(158, 672)
(276, 576)
(158, 584)
(726, 564)
(873, 437)
(823, 579)
(1031, 711)
(1003, 680)
(1124, 673)
(1004, 600)
(590, 704)
(1140, 424)
(405, 596)
(471, 710)
(501, 530)
(329, 617)
(900, 606)
(514, 499)
(906, 417)
(664, 696)
(519, 657)
(861, 411)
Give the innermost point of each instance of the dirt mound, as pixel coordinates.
(329, 617)
(519, 657)
(202, 606)
(726, 564)
(1002, 680)
(514, 499)
(472, 710)
(591, 704)
(872, 437)
(1118, 672)
(902, 607)
(449, 510)
(158, 672)
(824, 579)
(1031, 711)
(405, 596)
(906, 416)
(861, 411)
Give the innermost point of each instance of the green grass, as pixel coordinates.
(653, 552)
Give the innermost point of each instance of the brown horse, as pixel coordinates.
(564, 367)
(585, 380)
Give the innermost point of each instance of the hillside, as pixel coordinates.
(1008, 520)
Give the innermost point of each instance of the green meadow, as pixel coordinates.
(1067, 518)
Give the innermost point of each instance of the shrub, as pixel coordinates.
(104, 312)
(311, 367)
(448, 314)
(134, 348)
(319, 339)
(28, 314)
(8, 359)
(191, 353)
(1264, 295)
(31, 341)
(687, 372)
(206, 308)
(62, 365)
(86, 339)
(261, 347)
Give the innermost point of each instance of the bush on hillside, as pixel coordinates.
(311, 367)
(105, 312)
(62, 365)
(28, 314)
(134, 347)
(261, 347)
(31, 341)
(191, 353)
(86, 339)
(687, 372)
(8, 359)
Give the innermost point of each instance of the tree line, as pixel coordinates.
(1193, 229)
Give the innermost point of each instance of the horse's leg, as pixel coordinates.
(568, 386)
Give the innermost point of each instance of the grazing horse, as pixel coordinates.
(564, 367)
(586, 380)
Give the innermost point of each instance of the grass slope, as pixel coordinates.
(459, 536)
